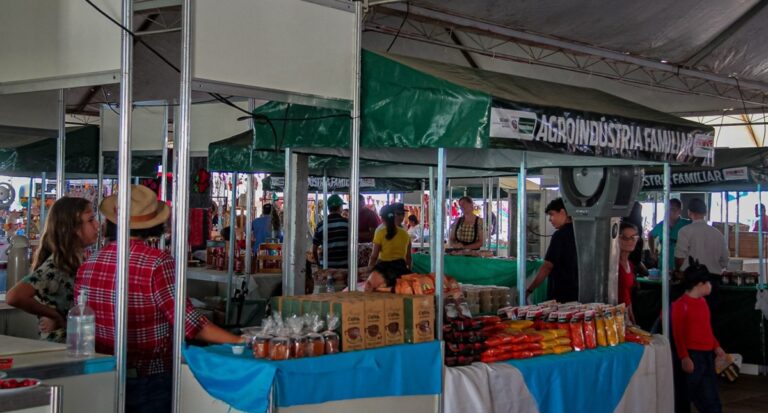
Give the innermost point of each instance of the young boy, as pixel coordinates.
(695, 343)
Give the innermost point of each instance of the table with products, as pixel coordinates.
(739, 327)
(484, 271)
(628, 377)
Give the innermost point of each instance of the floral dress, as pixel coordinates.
(55, 289)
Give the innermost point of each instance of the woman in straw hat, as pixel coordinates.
(47, 292)
(151, 275)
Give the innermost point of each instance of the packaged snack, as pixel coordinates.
(280, 346)
(297, 341)
(394, 320)
(505, 338)
(315, 341)
(551, 321)
(535, 316)
(562, 332)
(374, 323)
(549, 344)
(521, 354)
(260, 346)
(547, 334)
(562, 349)
(563, 341)
(619, 313)
(519, 324)
(419, 315)
(577, 331)
(330, 336)
(563, 320)
(590, 335)
(610, 329)
(602, 338)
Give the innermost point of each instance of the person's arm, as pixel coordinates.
(374, 255)
(408, 258)
(543, 273)
(452, 241)
(724, 253)
(678, 332)
(652, 248)
(213, 334)
(681, 250)
(22, 296)
(315, 254)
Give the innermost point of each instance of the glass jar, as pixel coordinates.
(298, 346)
(315, 345)
(280, 348)
(260, 346)
(331, 342)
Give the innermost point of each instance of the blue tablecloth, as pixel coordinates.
(592, 380)
(245, 383)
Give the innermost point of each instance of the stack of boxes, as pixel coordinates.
(368, 320)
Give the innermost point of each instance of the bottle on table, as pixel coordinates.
(81, 329)
(330, 284)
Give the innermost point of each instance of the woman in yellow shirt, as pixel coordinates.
(391, 248)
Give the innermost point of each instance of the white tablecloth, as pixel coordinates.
(500, 387)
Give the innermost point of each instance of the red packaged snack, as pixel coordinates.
(6, 363)
(494, 352)
(577, 331)
(563, 320)
(590, 333)
(521, 354)
(505, 338)
(537, 317)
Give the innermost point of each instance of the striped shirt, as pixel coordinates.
(338, 240)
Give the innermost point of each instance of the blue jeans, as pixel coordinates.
(702, 383)
(149, 394)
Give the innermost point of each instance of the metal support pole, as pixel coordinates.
(498, 216)
(325, 221)
(232, 246)
(164, 166)
(522, 242)
(123, 205)
(736, 230)
(722, 206)
(181, 197)
(387, 196)
(727, 222)
(100, 178)
(760, 241)
(354, 185)
(43, 184)
(289, 279)
(247, 224)
(509, 224)
(655, 208)
(435, 235)
(485, 213)
(175, 182)
(61, 145)
(421, 217)
(665, 256)
(450, 199)
(30, 197)
(440, 222)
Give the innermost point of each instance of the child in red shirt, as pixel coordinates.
(695, 343)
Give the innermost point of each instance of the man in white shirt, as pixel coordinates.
(705, 244)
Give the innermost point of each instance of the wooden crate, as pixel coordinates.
(748, 245)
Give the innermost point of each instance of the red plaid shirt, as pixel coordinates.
(150, 305)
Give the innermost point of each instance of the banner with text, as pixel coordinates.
(693, 178)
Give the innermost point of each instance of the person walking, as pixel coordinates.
(264, 227)
(48, 292)
(676, 223)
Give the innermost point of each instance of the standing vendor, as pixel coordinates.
(467, 231)
(368, 222)
(560, 262)
(676, 222)
(760, 216)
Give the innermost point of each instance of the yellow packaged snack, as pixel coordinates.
(610, 329)
(561, 333)
(562, 349)
(519, 324)
(602, 339)
(563, 341)
(619, 312)
(548, 334)
(549, 344)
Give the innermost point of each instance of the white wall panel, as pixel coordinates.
(213, 122)
(44, 39)
(37, 110)
(278, 45)
(146, 129)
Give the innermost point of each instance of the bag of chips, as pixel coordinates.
(619, 312)
(610, 329)
(590, 335)
(577, 331)
(602, 338)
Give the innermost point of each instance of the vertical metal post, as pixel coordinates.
(665, 256)
(30, 197)
(727, 222)
(181, 197)
(388, 197)
(61, 143)
(485, 213)
(164, 165)
(421, 217)
(509, 224)
(249, 201)
(760, 232)
(43, 184)
(354, 140)
(450, 200)
(325, 221)
(736, 230)
(435, 235)
(438, 268)
(498, 216)
(100, 177)
(175, 179)
(655, 208)
(522, 242)
(722, 206)
(232, 245)
(289, 279)
(123, 204)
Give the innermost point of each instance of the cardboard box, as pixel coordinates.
(419, 318)
(351, 313)
(394, 320)
(374, 320)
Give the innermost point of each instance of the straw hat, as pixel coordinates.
(146, 210)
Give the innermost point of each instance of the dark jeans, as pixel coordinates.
(702, 383)
(149, 394)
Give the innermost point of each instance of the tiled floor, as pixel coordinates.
(749, 394)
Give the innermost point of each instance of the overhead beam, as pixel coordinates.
(487, 27)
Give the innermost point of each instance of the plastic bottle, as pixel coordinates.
(81, 329)
(330, 285)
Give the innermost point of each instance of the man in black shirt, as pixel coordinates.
(338, 236)
(560, 263)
